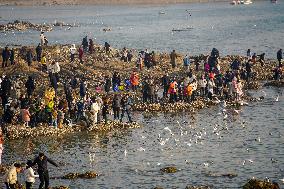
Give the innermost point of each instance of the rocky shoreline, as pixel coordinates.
(99, 64)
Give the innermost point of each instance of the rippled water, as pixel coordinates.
(232, 29)
(255, 136)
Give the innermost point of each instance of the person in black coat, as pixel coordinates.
(30, 86)
(41, 162)
(38, 52)
(5, 57)
(6, 89)
(12, 56)
(107, 84)
(53, 82)
(279, 56)
(116, 106)
(83, 89)
(29, 57)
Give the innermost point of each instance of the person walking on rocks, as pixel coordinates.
(279, 56)
(38, 52)
(173, 57)
(30, 86)
(42, 170)
(30, 175)
(5, 57)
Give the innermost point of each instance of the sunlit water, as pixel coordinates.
(232, 29)
(200, 143)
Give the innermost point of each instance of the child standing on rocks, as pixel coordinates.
(30, 175)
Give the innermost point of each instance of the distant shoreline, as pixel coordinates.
(98, 2)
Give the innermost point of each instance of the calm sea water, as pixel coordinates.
(232, 29)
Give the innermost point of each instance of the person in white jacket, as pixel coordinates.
(95, 110)
(73, 50)
(30, 175)
(202, 82)
(11, 177)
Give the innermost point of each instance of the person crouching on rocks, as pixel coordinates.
(11, 178)
(30, 175)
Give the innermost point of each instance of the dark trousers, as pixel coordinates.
(127, 112)
(116, 112)
(29, 185)
(5, 63)
(10, 186)
(72, 57)
(44, 179)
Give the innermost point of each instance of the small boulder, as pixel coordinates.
(259, 184)
(169, 170)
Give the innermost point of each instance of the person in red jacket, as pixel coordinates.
(134, 79)
(81, 53)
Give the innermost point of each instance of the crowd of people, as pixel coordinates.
(59, 105)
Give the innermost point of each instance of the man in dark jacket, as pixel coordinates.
(38, 52)
(116, 106)
(83, 89)
(107, 84)
(42, 170)
(279, 56)
(5, 57)
(165, 83)
(126, 105)
(29, 57)
(30, 86)
(12, 56)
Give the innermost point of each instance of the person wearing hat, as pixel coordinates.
(30, 175)
(11, 177)
(42, 170)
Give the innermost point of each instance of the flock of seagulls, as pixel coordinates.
(186, 135)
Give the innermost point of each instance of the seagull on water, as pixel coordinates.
(277, 98)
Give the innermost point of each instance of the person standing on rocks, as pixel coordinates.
(38, 52)
(126, 104)
(29, 57)
(42, 170)
(1, 145)
(42, 38)
(107, 48)
(85, 44)
(30, 86)
(279, 56)
(5, 57)
(81, 53)
(12, 56)
(91, 46)
(173, 57)
(30, 175)
(116, 106)
(11, 177)
(72, 52)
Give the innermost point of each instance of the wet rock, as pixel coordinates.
(252, 85)
(86, 175)
(275, 84)
(229, 175)
(169, 170)
(24, 25)
(197, 187)
(259, 184)
(60, 187)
